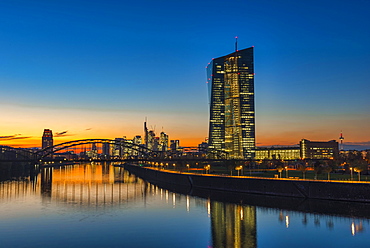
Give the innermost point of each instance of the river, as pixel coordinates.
(100, 205)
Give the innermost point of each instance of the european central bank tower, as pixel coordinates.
(231, 92)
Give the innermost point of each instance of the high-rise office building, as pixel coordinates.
(232, 115)
(47, 138)
(151, 140)
(146, 134)
(163, 142)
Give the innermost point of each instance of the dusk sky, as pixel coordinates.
(97, 69)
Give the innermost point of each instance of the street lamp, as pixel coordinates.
(238, 169)
(358, 173)
(286, 169)
(207, 167)
(187, 165)
(351, 169)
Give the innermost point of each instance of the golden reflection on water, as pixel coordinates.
(233, 225)
(83, 184)
(86, 184)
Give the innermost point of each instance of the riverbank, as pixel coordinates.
(311, 189)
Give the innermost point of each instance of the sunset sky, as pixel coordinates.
(97, 69)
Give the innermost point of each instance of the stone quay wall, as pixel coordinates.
(312, 189)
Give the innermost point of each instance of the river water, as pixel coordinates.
(100, 205)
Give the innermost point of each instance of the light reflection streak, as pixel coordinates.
(353, 229)
(287, 221)
(356, 228)
(209, 208)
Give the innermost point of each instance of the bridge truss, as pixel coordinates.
(128, 150)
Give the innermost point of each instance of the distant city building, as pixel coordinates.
(280, 153)
(94, 147)
(146, 134)
(155, 146)
(106, 150)
(47, 138)
(118, 148)
(151, 140)
(127, 149)
(232, 114)
(319, 149)
(163, 142)
(202, 147)
(65, 155)
(355, 154)
(306, 150)
(174, 145)
(93, 153)
(137, 140)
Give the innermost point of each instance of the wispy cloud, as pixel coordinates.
(63, 134)
(88, 129)
(13, 137)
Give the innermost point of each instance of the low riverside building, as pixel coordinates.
(285, 153)
(306, 150)
(319, 149)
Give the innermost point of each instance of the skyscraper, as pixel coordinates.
(232, 115)
(163, 142)
(47, 138)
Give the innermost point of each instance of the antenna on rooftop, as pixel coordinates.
(236, 43)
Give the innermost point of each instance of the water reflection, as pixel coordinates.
(85, 184)
(233, 225)
(91, 184)
(234, 220)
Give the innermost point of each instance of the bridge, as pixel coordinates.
(124, 151)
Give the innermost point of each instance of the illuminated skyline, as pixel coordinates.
(96, 69)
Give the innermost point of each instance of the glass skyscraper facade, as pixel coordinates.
(232, 114)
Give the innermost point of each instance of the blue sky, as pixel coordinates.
(104, 66)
